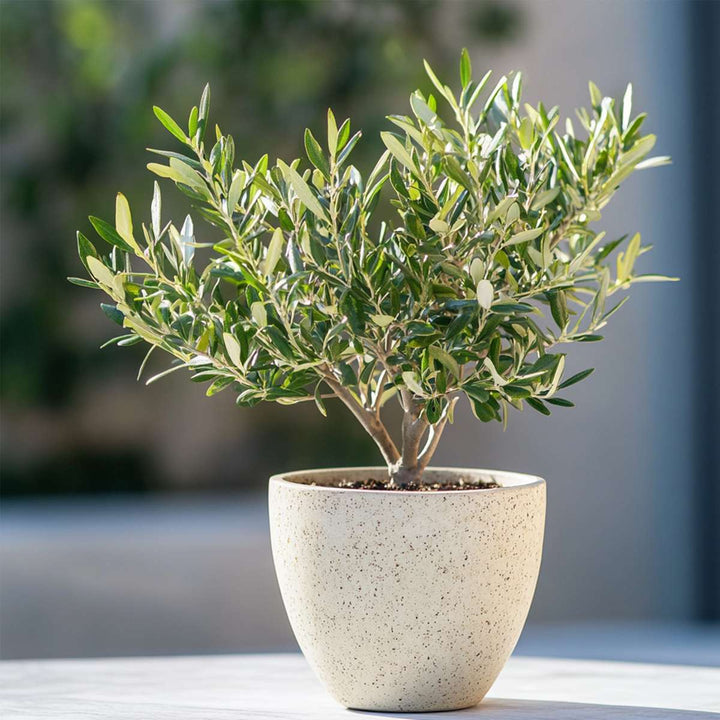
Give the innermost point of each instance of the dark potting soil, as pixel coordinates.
(373, 484)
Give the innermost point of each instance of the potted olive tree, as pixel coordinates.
(407, 586)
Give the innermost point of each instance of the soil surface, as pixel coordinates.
(372, 484)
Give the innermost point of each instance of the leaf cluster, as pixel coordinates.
(491, 262)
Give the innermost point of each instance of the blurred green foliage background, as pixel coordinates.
(78, 79)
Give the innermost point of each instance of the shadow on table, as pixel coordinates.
(504, 709)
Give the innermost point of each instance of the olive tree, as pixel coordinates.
(300, 292)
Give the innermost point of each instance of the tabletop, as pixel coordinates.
(282, 687)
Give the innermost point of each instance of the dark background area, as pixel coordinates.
(78, 82)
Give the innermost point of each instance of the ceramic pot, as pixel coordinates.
(407, 601)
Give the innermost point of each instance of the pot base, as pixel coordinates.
(423, 709)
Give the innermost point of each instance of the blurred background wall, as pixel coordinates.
(133, 518)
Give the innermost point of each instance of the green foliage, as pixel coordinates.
(490, 264)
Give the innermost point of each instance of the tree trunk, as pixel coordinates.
(408, 469)
(402, 475)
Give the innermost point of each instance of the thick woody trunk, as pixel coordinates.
(405, 466)
(409, 468)
(404, 475)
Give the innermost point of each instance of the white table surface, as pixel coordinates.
(282, 687)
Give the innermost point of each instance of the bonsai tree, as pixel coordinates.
(300, 292)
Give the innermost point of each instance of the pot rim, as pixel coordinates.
(513, 481)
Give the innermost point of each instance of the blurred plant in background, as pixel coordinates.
(76, 81)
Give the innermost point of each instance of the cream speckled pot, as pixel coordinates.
(407, 601)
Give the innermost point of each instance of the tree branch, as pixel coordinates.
(434, 438)
(413, 429)
(372, 424)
